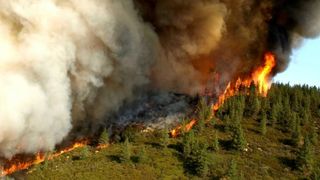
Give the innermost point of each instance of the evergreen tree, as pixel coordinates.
(238, 139)
(126, 151)
(254, 106)
(263, 123)
(314, 135)
(198, 161)
(85, 152)
(305, 156)
(143, 158)
(216, 142)
(104, 137)
(296, 133)
(232, 173)
(274, 115)
(165, 137)
(188, 143)
(204, 114)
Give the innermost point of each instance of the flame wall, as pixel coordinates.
(72, 63)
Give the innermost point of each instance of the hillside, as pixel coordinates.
(250, 137)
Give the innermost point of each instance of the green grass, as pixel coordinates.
(267, 157)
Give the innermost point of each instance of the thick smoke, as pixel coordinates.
(64, 62)
(73, 63)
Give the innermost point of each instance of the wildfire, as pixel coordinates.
(261, 78)
(16, 164)
(175, 132)
(262, 75)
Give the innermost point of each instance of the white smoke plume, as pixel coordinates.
(62, 62)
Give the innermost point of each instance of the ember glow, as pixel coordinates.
(261, 77)
(18, 164)
(175, 132)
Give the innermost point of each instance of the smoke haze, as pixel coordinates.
(67, 63)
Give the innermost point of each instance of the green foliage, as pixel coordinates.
(238, 139)
(274, 115)
(232, 173)
(188, 156)
(215, 143)
(305, 157)
(142, 156)
(104, 137)
(263, 124)
(130, 134)
(296, 131)
(313, 134)
(126, 151)
(85, 152)
(253, 106)
(188, 143)
(204, 114)
(164, 137)
(197, 161)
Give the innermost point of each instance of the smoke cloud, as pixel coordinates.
(73, 63)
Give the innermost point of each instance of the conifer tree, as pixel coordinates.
(233, 170)
(188, 143)
(104, 137)
(126, 151)
(143, 158)
(313, 135)
(274, 115)
(85, 152)
(238, 139)
(197, 161)
(263, 123)
(216, 142)
(165, 137)
(204, 114)
(296, 133)
(305, 156)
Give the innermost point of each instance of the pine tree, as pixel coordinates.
(238, 139)
(274, 115)
(314, 135)
(104, 137)
(143, 158)
(254, 106)
(188, 143)
(204, 114)
(263, 123)
(296, 133)
(305, 156)
(198, 161)
(126, 151)
(232, 173)
(216, 142)
(85, 152)
(165, 137)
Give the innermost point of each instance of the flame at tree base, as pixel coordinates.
(19, 163)
(261, 77)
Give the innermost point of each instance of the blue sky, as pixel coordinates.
(305, 65)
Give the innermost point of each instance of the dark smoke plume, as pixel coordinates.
(73, 63)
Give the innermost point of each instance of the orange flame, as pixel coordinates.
(261, 77)
(175, 132)
(16, 164)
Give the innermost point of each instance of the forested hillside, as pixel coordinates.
(249, 137)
